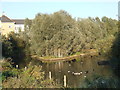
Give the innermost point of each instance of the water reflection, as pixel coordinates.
(76, 71)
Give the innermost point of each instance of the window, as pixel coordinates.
(10, 26)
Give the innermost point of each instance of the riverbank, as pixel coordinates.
(91, 52)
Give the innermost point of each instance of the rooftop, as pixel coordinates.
(5, 19)
(16, 21)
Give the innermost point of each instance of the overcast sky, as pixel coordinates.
(76, 8)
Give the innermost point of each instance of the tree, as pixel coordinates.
(13, 47)
(59, 35)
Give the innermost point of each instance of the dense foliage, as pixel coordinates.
(13, 47)
(115, 53)
(59, 35)
(29, 77)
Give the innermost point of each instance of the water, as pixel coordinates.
(86, 67)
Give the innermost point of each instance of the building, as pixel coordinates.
(19, 25)
(8, 25)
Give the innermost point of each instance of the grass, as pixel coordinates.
(77, 53)
(76, 56)
(49, 57)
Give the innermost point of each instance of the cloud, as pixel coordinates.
(59, 0)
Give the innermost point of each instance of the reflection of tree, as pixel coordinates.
(115, 59)
(101, 82)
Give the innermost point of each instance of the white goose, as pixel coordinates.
(76, 73)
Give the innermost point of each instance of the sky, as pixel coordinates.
(20, 9)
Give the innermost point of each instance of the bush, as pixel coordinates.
(30, 77)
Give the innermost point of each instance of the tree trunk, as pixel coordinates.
(59, 52)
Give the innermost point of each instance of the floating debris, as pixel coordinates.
(68, 71)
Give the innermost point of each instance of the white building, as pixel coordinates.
(8, 25)
(19, 25)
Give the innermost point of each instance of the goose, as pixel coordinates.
(81, 72)
(76, 73)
